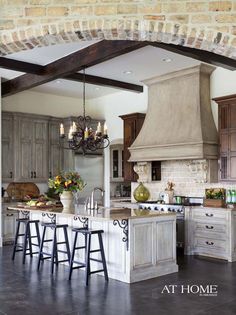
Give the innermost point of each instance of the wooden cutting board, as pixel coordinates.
(52, 207)
(20, 190)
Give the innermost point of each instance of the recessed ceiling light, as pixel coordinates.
(128, 72)
(167, 59)
(58, 81)
(97, 88)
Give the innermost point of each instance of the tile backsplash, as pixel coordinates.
(186, 182)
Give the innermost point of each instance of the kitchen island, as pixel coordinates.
(139, 244)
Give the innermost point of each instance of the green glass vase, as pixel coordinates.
(141, 193)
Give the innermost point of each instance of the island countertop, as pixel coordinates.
(100, 214)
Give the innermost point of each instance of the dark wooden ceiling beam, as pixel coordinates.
(91, 79)
(198, 54)
(87, 57)
(22, 66)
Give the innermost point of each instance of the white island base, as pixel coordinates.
(137, 247)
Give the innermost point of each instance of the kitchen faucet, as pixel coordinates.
(90, 204)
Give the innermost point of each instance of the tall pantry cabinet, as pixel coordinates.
(227, 137)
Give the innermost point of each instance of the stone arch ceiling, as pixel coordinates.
(207, 25)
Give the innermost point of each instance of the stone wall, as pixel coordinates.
(208, 25)
(187, 183)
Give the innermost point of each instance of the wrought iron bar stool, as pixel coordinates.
(27, 241)
(54, 251)
(87, 247)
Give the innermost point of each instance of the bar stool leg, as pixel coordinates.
(15, 240)
(86, 239)
(54, 245)
(103, 256)
(73, 255)
(30, 242)
(87, 267)
(25, 242)
(41, 247)
(37, 233)
(67, 243)
(56, 252)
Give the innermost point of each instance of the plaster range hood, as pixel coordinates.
(179, 123)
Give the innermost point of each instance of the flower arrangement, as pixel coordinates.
(68, 181)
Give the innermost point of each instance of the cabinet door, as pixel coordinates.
(227, 136)
(9, 227)
(40, 150)
(7, 147)
(68, 155)
(117, 163)
(223, 117)
(232, 155)
(232, 115)
(55, 149)
(24, 159)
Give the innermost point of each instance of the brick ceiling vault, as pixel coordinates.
(207, 25)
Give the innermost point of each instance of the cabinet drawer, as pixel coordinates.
(210, 245)
(210, 235)
(210, 215)
(209, 228)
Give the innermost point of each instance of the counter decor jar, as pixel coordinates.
(141, 193)
(66, 198)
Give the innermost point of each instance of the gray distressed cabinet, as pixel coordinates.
(31, 149)
(32, 153)
(210, 232)
(8, 170)
(56, 156)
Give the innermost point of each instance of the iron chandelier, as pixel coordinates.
(82, 136)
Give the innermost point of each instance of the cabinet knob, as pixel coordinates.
(209, 227)
(209, 243)
(209, 215)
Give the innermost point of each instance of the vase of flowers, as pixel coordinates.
(66, 184)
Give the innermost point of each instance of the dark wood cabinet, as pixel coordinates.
(227, 137)
(132, 125)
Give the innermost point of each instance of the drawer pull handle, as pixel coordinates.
(209, 215)
(10, 214)
(209, 243)
(209, 227)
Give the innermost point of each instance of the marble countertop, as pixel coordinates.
(100, 214)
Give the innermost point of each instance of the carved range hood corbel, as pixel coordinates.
(179, 122)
